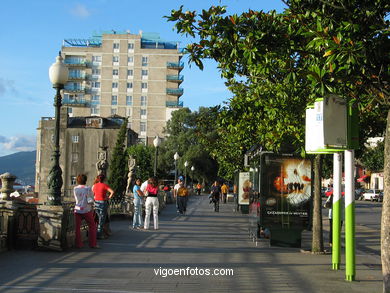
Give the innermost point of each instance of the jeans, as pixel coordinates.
(91, 229)
(182, 204)
(151, 202)
(101, 207)
(137, 218)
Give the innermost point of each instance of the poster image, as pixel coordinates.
(286, 191)
(244, 188)
(293, 181)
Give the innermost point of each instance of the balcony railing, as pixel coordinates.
(75, 102)
(72, 89)
(176, 78)
(76, 62)
(175, 92)
(175, 65)
(77, 76)
(174, 104)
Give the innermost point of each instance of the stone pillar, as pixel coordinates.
(7, 180)
(53, 223)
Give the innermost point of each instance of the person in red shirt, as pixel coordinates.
(151, 202)
(100, 190)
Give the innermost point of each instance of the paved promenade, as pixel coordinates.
(201, 241)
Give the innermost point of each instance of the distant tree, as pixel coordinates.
(373, 157)
(117, 178)
(183, 132)
(144, 158)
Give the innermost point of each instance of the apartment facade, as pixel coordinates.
(130, 75)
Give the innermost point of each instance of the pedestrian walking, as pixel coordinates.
(198, 188)
(224, 190)
(182, 198)
(215, 195)
(83, 210)
(138, 199)
(175, 189)
(329, 205)
(100, 190)
(151, 202)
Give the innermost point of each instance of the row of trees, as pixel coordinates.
(275, 64)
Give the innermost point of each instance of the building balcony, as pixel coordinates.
(175, 78)
(75, 102)
(77, 77)
(175, 92)
(174, 104)
(71, 89)
(175, 65)
(76, 63)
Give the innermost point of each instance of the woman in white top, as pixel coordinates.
(83, 210)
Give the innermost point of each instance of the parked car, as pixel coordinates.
(372, 194)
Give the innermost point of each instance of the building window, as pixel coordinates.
(130, 72)
(114, 100)
(129, 85)
(143, 113)
(96, 84)
(128, 113)
(144, 61)
(130, 46)
(115, 59)
(75, 157)
(96, 59)
(130, 59)
(114, 111)
(129, 100)
(95, 110)
(114, 85)
(144, 85)
(75, 138)
(70, 110)
(95, 72)
(142, 126)
(143, 100)
(73, 180)
(95, 99)
(144, 72)
(115, 46)
(115, 72)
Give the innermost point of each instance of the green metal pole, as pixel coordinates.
(336, 212)
(350, 270)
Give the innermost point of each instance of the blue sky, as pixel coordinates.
(31, 34)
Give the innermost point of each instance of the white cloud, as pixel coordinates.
(15, 144)
(80, 11)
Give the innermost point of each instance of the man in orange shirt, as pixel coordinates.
(224, 190)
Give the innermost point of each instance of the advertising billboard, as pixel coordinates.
(286, 191)
(244, 188)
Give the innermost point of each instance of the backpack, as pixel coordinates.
(182, 191)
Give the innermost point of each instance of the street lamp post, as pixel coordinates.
(192, 174)
(156, 143)
(185, 173)
(58, 75)
(176, 157)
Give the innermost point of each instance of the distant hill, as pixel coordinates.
(21, 164)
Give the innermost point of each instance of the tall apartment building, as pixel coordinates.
(130, 75)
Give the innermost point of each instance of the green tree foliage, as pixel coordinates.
(117, 178)
(144, 158)
(275, 64)
(373, 157)
(184, 132)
